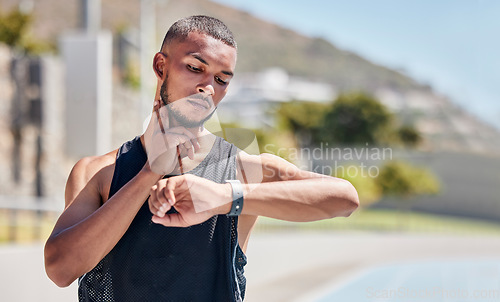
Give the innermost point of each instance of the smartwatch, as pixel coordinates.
(237, 205)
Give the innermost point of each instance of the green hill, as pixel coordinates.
(263, 44)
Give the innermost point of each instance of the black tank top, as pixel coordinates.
(155, 263)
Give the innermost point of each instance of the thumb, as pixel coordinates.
(170, 220)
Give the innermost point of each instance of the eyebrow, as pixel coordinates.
(200, 59)
(196, 56)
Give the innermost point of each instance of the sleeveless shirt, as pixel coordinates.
(156, 263)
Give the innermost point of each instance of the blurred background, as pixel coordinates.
(399, 98)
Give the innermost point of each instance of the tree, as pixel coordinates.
(304, 119)
(409, 136)
(400, 179)
(14, 31)
(357, 118)
(351, 119)
(13, 27)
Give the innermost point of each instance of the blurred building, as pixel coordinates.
(32, 157)
(253, 95)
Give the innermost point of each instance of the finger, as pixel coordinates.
(152, 202)
(171, 187)
(163, 210)
(156, 207)
(173, 139)
(162, 207)
(162, 203)
(190, 149)
(166, 206)
(191, 136)
(186, 150)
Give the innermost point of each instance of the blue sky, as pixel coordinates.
(454, 45)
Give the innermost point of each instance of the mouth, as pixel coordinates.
(199, 104)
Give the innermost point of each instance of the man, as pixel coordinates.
(130, 234)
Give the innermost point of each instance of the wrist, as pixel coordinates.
(146, 170)
(227, 198)
(237, 198)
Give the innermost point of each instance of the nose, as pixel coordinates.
(206, 87)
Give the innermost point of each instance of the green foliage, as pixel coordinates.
(352, 119)
(403, 180)
(14, 27)
(396, 178)
(276, 143)
(131, 76)
(357, 118)
(297, 115)
(409, 136)
(302, 118)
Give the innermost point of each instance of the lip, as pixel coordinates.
(201, 104)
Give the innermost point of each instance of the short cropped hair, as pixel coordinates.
(210, 26)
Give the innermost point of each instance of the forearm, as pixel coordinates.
(301, 200)
(77, 249)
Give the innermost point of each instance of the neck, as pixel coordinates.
(196, 131)
(206, 140)
(205, 137)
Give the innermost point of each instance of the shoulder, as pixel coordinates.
(87, 167)
(95, 172)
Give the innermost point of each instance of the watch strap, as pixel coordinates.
(237, 205)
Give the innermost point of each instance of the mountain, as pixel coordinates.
(262, 44)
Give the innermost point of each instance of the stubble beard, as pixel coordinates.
(175, 113)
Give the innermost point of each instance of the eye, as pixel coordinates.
(193, 68)
(220, 81)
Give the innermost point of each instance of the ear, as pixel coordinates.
(160, 61)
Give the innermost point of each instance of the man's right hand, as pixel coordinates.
(162, 142)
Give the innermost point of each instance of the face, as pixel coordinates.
(196, 75)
